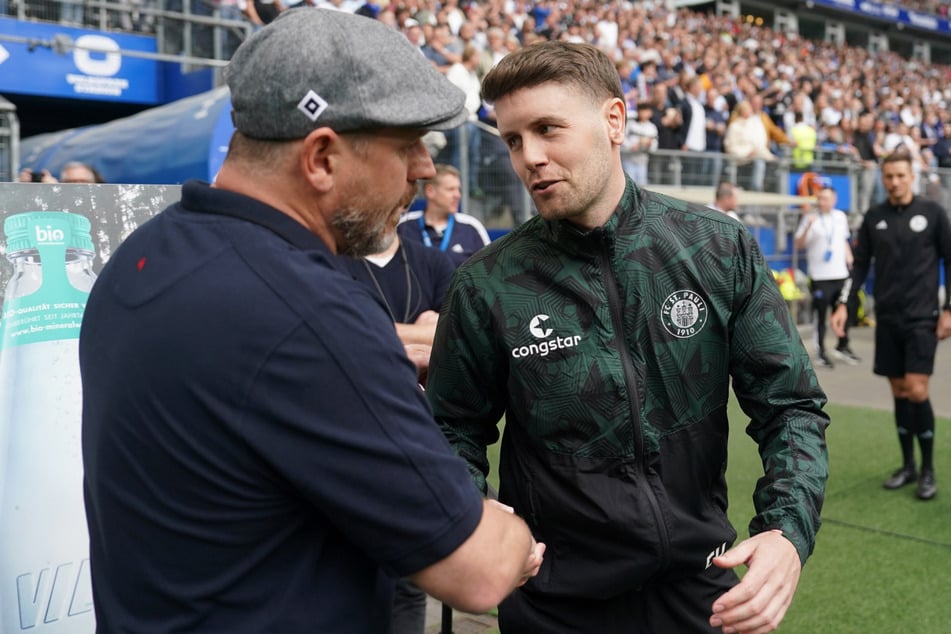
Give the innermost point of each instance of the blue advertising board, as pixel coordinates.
(95, 68)
(891, 12)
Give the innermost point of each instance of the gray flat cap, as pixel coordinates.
(312, 68)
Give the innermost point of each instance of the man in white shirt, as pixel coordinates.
(694, 130)
(463, 74)
(824, 234)
(640, 140)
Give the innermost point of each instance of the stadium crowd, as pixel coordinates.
(787, 79)
(846, 101)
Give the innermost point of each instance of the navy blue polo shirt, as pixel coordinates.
(413, 281)
(258, 457)
(466, 236)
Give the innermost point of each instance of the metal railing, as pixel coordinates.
(9, 141)
(193, 30)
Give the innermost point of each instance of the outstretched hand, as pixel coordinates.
(535, 556)
(759, 602)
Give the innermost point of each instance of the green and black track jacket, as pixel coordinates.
(610, 354)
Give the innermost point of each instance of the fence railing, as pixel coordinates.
(193, 29)
(9, 141)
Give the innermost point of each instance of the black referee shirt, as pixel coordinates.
(906, 244)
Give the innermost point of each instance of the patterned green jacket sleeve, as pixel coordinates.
(786, 417)
(464, 335)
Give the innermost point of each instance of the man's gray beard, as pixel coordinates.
(360, 237)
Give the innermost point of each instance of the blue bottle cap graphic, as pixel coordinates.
(34, 229)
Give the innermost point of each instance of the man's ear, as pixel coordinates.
(615, 113)
(320, 158)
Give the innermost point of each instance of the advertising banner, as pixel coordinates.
(892, 12)
(93, 68)
(55, 239)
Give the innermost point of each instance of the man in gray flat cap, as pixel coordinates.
(258, 457)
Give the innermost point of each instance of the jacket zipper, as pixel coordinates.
(630, 380)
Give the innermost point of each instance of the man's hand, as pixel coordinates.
(758, 603)
(944, 325)
(837, 320)
(535, 556)
(419, 353)
(534, 562)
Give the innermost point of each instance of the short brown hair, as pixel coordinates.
(442, 169)
(897, 156)
(581, 65)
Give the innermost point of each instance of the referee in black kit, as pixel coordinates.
(906, 237)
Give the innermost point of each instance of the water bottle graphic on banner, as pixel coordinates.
(44, 545)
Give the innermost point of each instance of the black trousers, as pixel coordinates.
(673, 606)
(825, 298)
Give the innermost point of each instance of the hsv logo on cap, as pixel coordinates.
(312, 105)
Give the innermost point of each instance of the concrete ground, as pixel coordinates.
(844, 385)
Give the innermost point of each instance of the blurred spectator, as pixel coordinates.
(942, 147)
(777, 137)
(640, 140)
(801, 104)
(264, 11)
(726, 200)
(863, 139)
(804, 138)
(496, 49)
(716, 117)
(463, 74)
(693, 131)
(414, 33)
(71, 12)
(746, 138)
(899, 140)
(72, 172)
(437, 49)
(667, 118)
(931, 129)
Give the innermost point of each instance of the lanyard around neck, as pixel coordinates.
(828, 228)
(446, 236)
(379, 289)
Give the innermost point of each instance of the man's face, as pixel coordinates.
(825, 200)
(77, 174)
(563, 146)
(378, 182)
(897, 179)
(730, 202)
(391, 236)
(443, 195)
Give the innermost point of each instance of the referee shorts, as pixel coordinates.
(667, 606)
(902, 348)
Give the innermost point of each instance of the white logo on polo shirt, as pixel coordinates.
(882, 225)
(918, 223)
